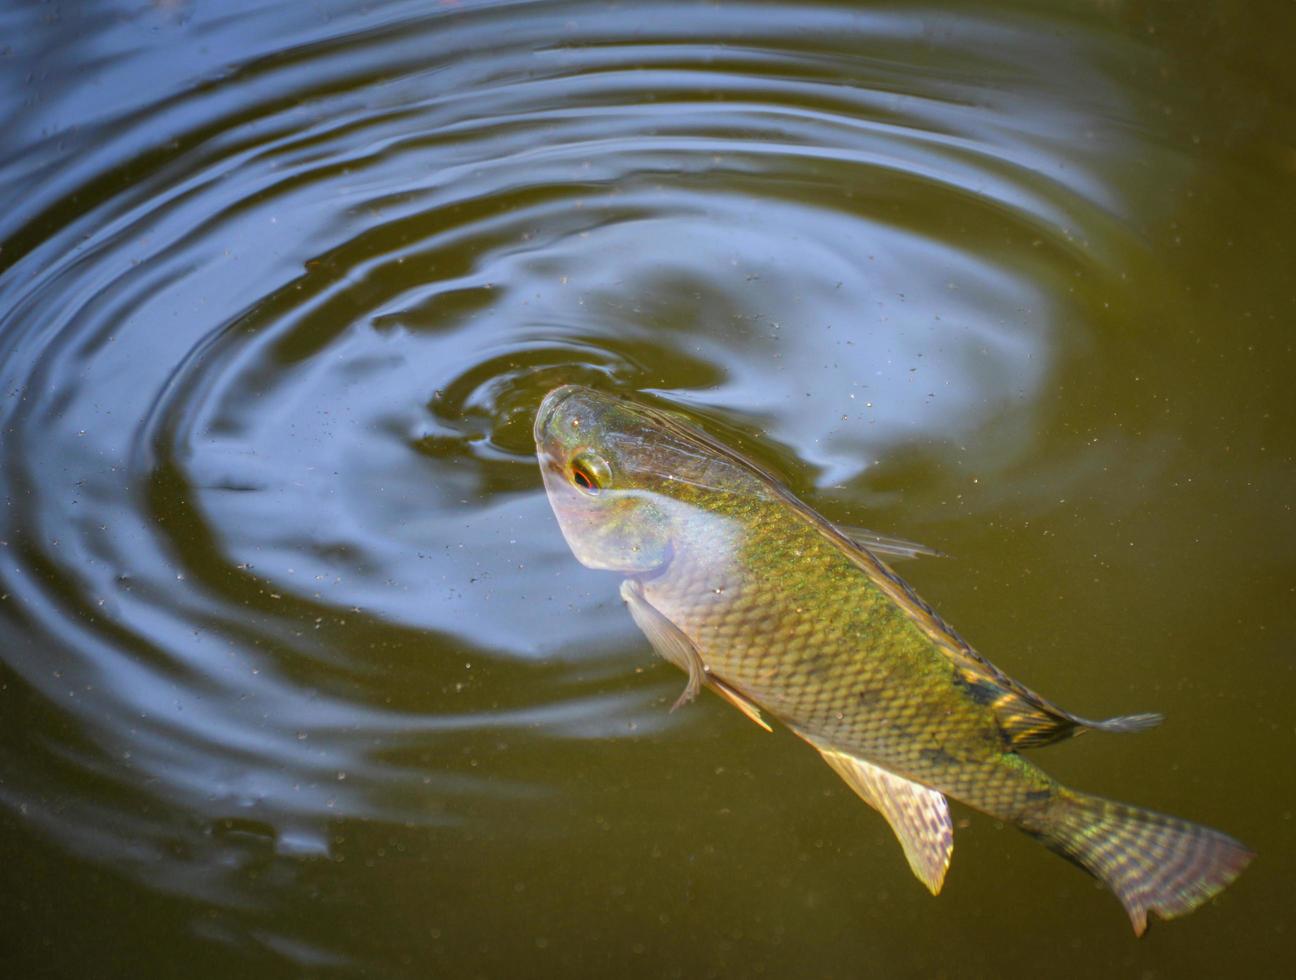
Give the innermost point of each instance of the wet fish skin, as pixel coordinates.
(760, 598)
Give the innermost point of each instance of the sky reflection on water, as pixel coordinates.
(280, 289)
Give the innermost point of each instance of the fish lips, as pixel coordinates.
(549, 406)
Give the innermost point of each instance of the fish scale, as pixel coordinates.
(763, 601)
(758, 638)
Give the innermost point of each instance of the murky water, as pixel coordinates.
(298, 675)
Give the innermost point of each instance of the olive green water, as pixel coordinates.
(297, 675)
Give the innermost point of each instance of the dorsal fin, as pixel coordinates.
(887, 544)
(1026, 719)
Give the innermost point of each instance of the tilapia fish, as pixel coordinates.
(776, 610)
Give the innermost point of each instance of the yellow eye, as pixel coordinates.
(589, 473)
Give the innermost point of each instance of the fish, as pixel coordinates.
(782, 614)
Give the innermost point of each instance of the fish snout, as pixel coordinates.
(550, 404)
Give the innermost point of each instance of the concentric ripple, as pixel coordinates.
(275, 560)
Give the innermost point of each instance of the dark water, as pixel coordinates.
(297, 676)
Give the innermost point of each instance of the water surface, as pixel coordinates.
(297, 675)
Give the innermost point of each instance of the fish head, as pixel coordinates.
(600, 463)
(631, 484)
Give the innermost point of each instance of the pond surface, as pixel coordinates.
(297, 675)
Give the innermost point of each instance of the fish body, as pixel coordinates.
(764, 601)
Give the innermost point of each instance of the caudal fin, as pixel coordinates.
(1153, 862)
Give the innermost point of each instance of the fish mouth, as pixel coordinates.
(547, 408)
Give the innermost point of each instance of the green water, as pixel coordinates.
(297, 675)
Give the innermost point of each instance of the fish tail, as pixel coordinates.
(1153, 862)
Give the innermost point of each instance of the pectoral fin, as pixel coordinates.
(666, 639)
(885, 544)
(672, 645)
(919, 816)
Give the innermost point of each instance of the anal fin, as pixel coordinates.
(919, 816)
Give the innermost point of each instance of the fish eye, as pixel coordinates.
(589, 473)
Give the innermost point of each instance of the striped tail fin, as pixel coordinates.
(1153, 862)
